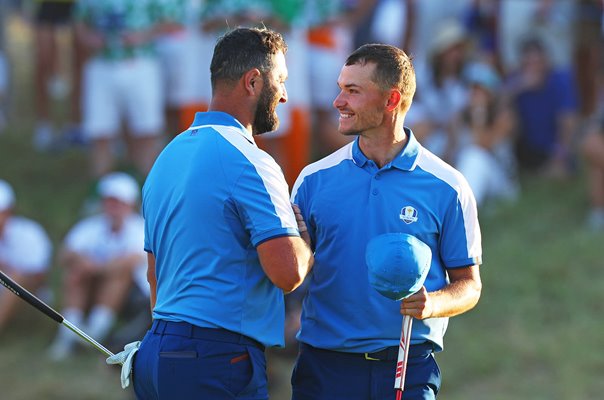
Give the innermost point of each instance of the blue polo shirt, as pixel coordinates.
(347, 200)
(210, 199)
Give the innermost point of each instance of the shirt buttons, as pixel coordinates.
(375, 192)
(378, 177)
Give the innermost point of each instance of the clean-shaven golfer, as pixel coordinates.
(221, 236)
(383, 182)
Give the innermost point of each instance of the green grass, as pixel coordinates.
(535, 334)
(26, 373)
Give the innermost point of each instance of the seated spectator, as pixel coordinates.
(546, 103)
(25, 253)
(135, 315)
(101, 254)
(485, 128)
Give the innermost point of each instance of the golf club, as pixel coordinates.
(24, 294)
(403, 354)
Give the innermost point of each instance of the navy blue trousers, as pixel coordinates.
(178, 360)
(329, 375)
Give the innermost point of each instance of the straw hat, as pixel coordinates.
(450, 33)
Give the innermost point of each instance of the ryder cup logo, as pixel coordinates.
(408, 214)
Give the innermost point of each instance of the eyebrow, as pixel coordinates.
(349, 85)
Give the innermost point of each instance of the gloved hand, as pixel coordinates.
(125, 358)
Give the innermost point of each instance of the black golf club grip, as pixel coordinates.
(20, 291)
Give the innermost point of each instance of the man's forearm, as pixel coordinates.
(456, 298)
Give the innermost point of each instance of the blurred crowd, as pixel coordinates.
(505, 88)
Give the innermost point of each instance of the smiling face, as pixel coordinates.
(273, 93)
(361, 102)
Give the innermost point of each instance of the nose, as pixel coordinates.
(283, 98)
(338, 101)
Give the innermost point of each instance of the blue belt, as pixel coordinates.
(186, 329)
(387, 354)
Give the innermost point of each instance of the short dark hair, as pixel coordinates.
(532, 43)
(242, 49)
(394, 68)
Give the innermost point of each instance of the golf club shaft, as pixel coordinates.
(403, 355)
(87, 338)
(32, 300)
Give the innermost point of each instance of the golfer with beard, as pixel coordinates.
(222, 239)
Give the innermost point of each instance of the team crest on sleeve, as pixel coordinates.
(408, 214)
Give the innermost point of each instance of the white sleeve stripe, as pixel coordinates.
(267, 169)
(345, 153)
(431, 164)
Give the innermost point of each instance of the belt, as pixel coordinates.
(387, 354)
(186, 329)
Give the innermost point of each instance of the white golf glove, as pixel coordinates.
(125, 358)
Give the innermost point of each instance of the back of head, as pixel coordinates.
(243, 49)
(394, 69)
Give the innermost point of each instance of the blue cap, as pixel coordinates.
(397, 264)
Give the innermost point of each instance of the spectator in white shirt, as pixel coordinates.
(25, 253)
(100, 255)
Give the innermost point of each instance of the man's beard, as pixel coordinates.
(265, 118)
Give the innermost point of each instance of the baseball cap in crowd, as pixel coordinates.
(484, 75)
(398, 264)
(7, 195)
(119, 185)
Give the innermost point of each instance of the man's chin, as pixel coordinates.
(262, 130)
(347, 131)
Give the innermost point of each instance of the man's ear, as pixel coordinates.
(252, 81)
(394, 100)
